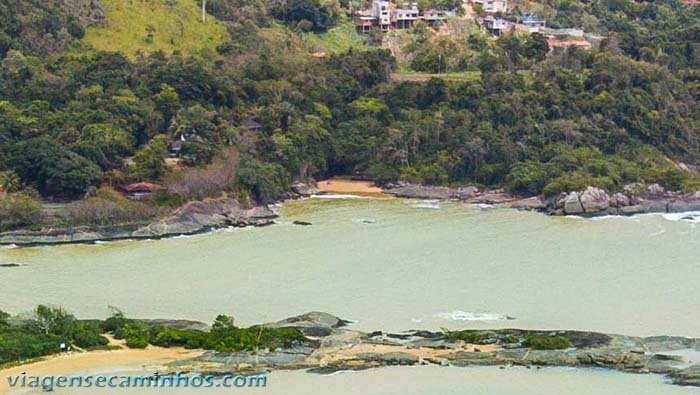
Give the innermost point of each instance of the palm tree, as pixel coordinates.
(10, 182)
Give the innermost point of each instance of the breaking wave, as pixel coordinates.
(459, 315)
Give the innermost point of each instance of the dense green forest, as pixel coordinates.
(73, 117)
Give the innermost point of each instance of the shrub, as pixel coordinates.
(18, 210)
(87, 335)
(566, 183)
(265, 181)
(208, 181)
(542, 342)
(527, 177)
(471, 337)
(109, 207)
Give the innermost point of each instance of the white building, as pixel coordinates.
(381, 11)
(493, 6)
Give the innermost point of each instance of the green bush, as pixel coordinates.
(542, 342)
(566, 183)
(527, 177)
(18, 210)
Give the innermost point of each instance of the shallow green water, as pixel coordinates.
(389, 265)
(432, 380)
(396, 265)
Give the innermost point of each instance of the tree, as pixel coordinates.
(10, 182)
(4, 319)
(167, 102)
(149, 161)
(223, 323)
(53, 319)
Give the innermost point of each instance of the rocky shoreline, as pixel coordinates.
(210, 214)
(335, 347)
(633, 199)
(191, 218)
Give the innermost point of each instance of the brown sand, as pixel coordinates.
(344, 186)
(85, 362)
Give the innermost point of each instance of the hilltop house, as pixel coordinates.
(386, 15)
(495, 25)
(405, 18)
(382, 12)
(434, 17)
(492, 7)
(531, 23)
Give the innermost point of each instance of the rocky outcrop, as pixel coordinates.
(689, 376)
(594, 200)
(191, 218)
(633, 199)
(311, 324)
(468, 194)
(335, 347)
(414, 191)
(572, 204)
(301, 189)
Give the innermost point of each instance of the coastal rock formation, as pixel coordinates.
(193, 217)
(304, 189)
(594, 200)
(572, 204)
(335, 347)
(414, 191)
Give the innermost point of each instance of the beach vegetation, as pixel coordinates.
(547, 342)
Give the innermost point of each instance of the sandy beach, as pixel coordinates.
(99, 362)
(343, 186)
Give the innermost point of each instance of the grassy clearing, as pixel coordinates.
(336, 40)
(175, 25)
(466, 76)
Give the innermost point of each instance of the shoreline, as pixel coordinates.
(332, 346)
(211, 214)
(152, 358)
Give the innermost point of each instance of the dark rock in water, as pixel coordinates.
(369, 221)
(391, 358)
(10, 265)
(311, 324)
(687, 376)
(302, 223)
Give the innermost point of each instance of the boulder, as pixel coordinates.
(688, 202)
(572, 204)
(311, 324)
(594, 200)
(687, 376)
(304, 189)
(619, 200)
(464, 193)
(655, 189)
(533, 203)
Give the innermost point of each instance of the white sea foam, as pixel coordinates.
(459, 315)
(425, 204)
(11, 246)
(338, 196)
(483, 206)
(689, 216)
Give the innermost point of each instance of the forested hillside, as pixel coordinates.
(73, 116)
